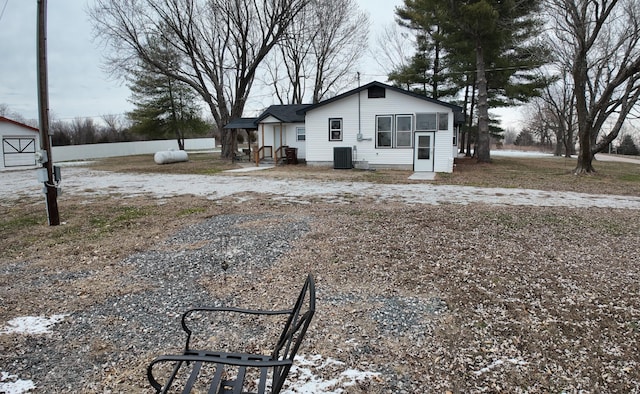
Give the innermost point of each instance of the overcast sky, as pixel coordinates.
(78, 86)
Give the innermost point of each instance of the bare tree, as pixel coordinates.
(7, 112)
(323, 45)
(393, 49)
(220, 43)
(289, 64)
(602, 38)
(559, 106)
(340, 42)
(115, 126)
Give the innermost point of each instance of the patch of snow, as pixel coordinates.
(14, 385)
(302, 379)
(497, 363)
(75, 163)
(31, 325)
(83, 182)
(519, 153)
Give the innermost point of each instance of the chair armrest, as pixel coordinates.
(213, 360)
(186, 314)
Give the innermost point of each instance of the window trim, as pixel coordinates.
(435, 127)
(445, 116)
(396, 131)
(331, 130)
(391, 133)
(303, 134)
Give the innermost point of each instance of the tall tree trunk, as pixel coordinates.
(464, 133)
(585, 154)
(483, 143)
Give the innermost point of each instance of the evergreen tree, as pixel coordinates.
(492, 37)
(165, 107)
(628, 146)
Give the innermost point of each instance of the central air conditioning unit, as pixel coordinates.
(342, 158)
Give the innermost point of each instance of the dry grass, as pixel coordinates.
(436, 298)
(509, 172)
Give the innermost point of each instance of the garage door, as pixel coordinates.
(19, 151)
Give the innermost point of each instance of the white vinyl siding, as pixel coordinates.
(359, 117)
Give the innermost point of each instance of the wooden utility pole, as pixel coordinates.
(51, 190)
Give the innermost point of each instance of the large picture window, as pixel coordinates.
(335, 129)
(426, 122)
(432, 121)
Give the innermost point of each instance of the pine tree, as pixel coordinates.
(628, 146)
(165, 107)
(492, 37)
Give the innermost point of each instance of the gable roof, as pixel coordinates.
(454, 107)
(3, 119)
(291, 113)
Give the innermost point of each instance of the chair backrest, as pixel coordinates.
(294, 331)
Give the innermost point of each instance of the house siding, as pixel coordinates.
(320, 149)
(272, 136)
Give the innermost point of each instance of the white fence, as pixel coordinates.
(116, 149)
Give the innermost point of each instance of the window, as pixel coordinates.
(443, 121)
(394, 131)
(300, 134)
(383, 131)
(432, 121)
(426, 122)
(404, 129)
(376, 92)
(335, 129)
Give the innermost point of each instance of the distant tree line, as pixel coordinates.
(112, 128)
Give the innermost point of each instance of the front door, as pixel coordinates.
(423, 154)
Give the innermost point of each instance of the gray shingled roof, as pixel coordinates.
(242, 123)
(285, 113)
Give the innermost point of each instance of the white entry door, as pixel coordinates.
(423, 154)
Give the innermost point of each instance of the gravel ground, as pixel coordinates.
(412, 298)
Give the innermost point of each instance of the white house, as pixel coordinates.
(19, 144)
(375, 125)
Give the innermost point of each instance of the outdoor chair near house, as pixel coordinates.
(225, 372)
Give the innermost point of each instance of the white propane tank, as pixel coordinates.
(170, 156)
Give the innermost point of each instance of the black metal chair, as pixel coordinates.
(230, 369)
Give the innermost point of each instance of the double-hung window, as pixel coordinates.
(300, 134)
(384, 131)
(404, 130)
(335, 129)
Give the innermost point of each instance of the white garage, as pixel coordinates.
(19, 144)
